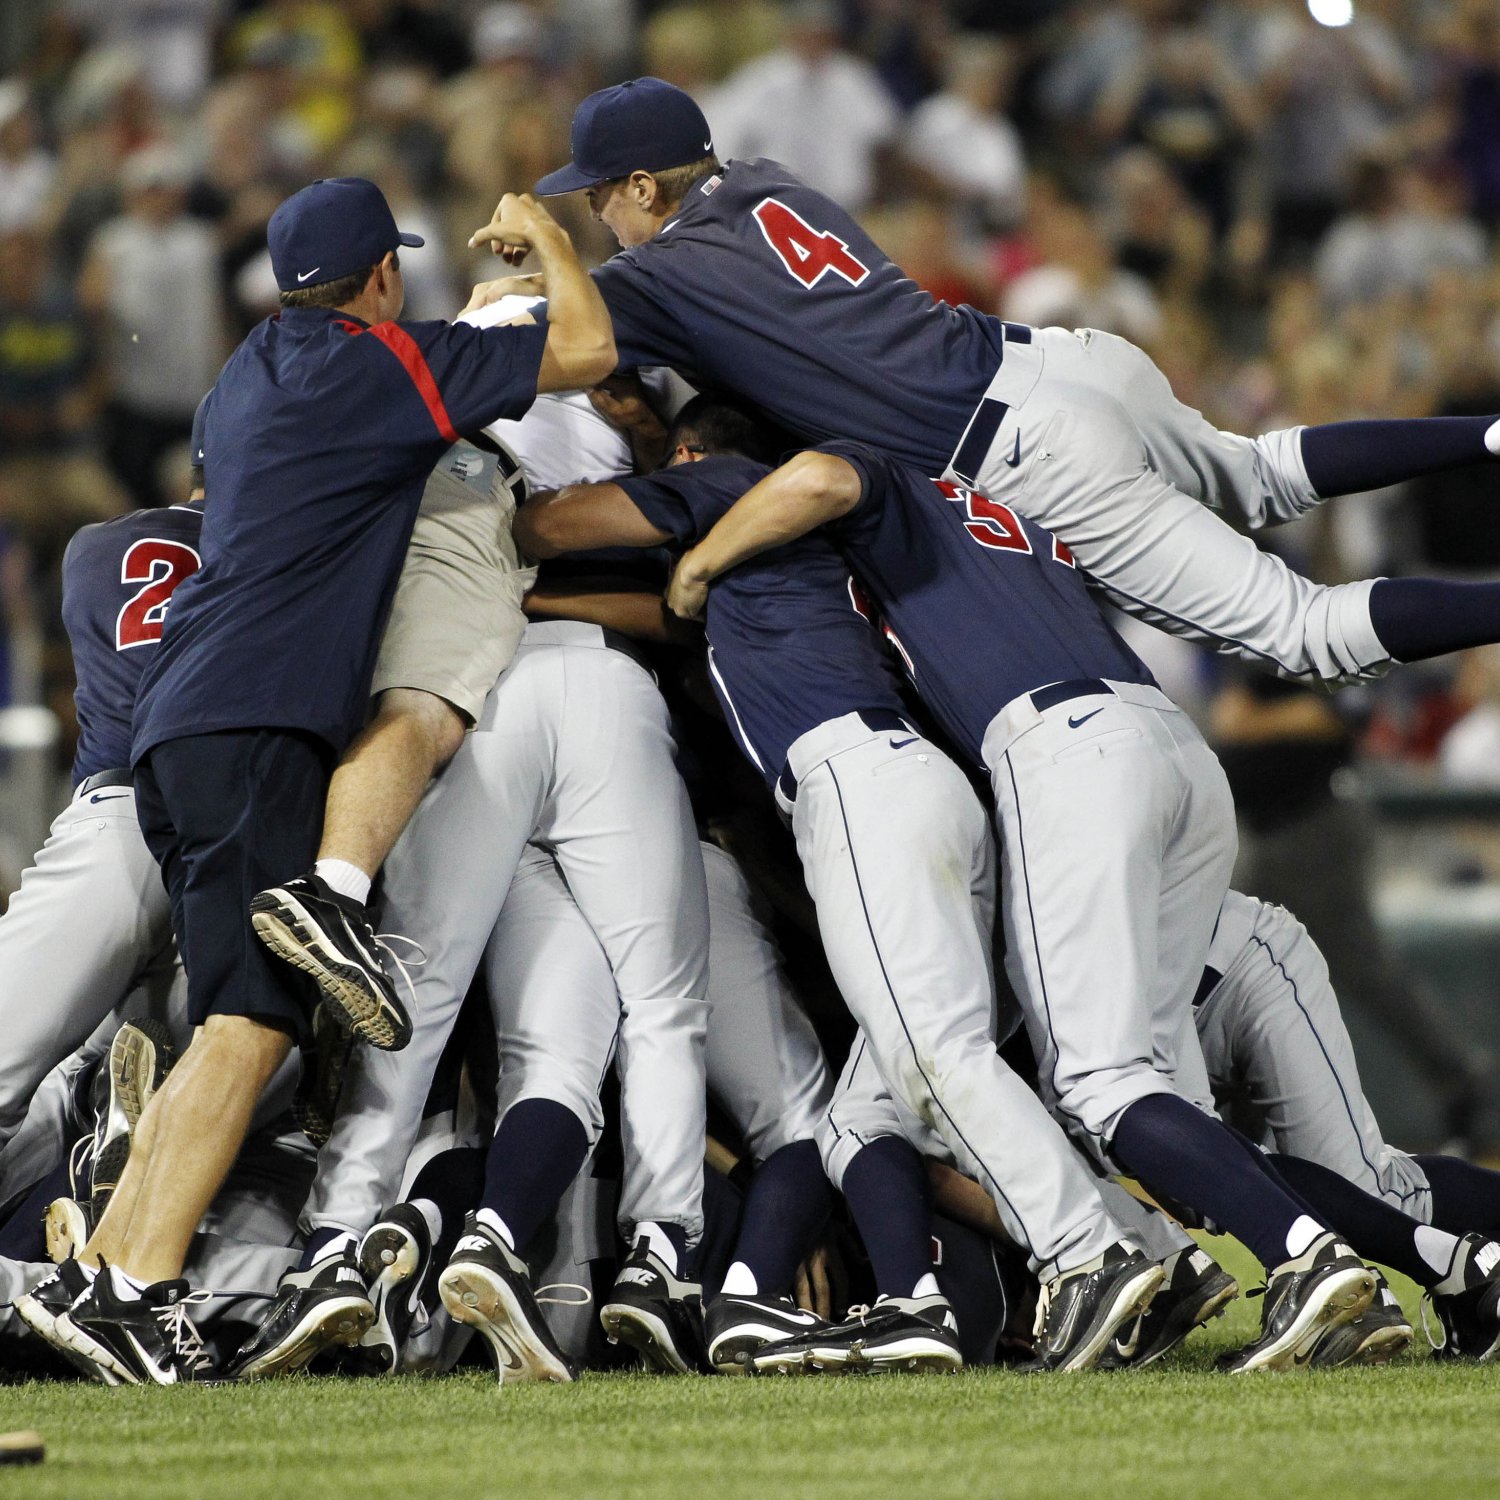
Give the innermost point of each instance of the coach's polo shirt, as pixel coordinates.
(320, 434)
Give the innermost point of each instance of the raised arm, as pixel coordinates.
(580, 348)
(801, 495)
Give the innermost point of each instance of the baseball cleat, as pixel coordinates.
(1324, 1287)
(1468, 1306)
(45, 1303)
(66, 1225)
(313, 928)
(738, 1327)
(325, 1060)
(487, 1287)
(657, 1315)
(394, 1258)
(139, 1057)
(1080, 1312)
(1195, 1289)
(919, 1334)
(147, 1339)
(1376, 1337)
(313, 1310)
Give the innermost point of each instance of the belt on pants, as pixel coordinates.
(968, 457)
(122, 776)
(876, 720)
(1061, 692)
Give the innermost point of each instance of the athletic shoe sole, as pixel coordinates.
(341, 1320)
(293, 934)
(1379, 1347)
(477, 1297)
(86, 1351)
(647, 1334)
(914, 1354)
(139, 1058)
(67, 1229)
(1130, 1300)
(1341, 1298)
(388, 1258)
(44, 1326)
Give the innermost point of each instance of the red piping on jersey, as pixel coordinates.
(404, 347)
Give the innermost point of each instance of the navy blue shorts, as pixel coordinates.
(226, 815)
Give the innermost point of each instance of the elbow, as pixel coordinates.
(532, 533)
(828, 486)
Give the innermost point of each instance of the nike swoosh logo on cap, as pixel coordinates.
(303, 275)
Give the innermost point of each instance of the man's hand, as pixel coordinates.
(687, 594)
(621, 400)
(813, 1291)
(487, 292)
(519, 222)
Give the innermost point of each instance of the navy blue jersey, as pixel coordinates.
(762, 287)
(117, 578)
(985, 605)
(320, 434)
(787, 649)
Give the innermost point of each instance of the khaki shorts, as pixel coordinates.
(456, 619)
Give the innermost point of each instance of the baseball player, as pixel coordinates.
(233, 734)
(1116, 831)
(1278, 1053)
(897, 857)
(91, 921)
(743, 279)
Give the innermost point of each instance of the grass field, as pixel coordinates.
(1412, 1429)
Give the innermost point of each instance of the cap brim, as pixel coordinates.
(568, 179)
(411, 240)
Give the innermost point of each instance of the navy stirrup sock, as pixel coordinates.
(451, 1181)
(886, 1188)
(1343, 458)
(538, 1149)
(1172, 1146)
(1420, 617)
(1375, 1229)
(788, 1200)
(1465, 1198)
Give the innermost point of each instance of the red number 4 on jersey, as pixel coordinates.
(808, 253)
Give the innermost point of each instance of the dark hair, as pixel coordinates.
(714, 425)
(675, 183)
(333, 293)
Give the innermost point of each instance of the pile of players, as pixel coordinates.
(895, 520)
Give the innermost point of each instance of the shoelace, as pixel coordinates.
(403, 966)
(1427, 1327)
(582, 1300)
(1043, 1309)
(182, 1333)
(81, 1159)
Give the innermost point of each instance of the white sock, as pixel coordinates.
(926, 1287)
(496, 1225)
(659, 1243)
(347, 1244)
(1303, 1232)
(1436, 1247)
(125, 1286)
(431, 1216)
(348, 880)
(1492, 437)
(739, 1281)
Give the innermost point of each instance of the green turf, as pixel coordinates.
(1178, 1429)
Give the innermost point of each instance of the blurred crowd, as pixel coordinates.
(1292, 204)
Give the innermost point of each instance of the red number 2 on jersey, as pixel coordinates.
(808, 253)
(158, 566)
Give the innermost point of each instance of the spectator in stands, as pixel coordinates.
(152, 280)
(731, 32)
(27, 170)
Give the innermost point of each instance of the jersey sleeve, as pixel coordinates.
(872, 468)
(646, 332)
(469, 377)
(663, 498)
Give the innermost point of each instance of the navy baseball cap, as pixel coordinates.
(645, 125)
(334, 226)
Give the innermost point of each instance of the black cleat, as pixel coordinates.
(45, 1303)
(897, 1333)
(139, 1057)
(395, 1257)
(1376, 1337)
(1195, 1288)
(314, 1310)
(313, 928)
(1470, 1309)
(141, 1340)
(657, 1315)
(739, 1327)
(1324, 1287)
(486, 1285)
(325, 1060)
(1080, 1312)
